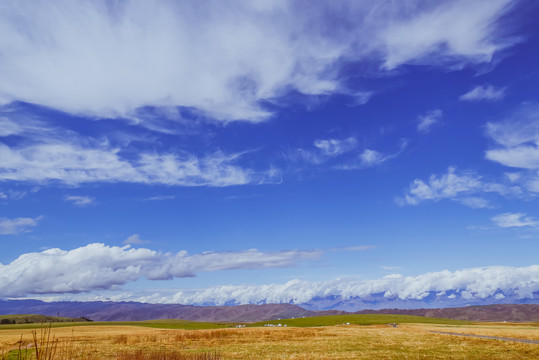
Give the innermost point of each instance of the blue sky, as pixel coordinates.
(267, 151)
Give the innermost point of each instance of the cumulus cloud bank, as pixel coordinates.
(473, 283)
(225, 58)
(97, 266)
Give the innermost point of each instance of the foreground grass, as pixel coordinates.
(409, 341)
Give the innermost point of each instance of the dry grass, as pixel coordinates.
(528, 331)
(348, 342)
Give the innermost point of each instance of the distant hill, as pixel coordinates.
(32, 319)
(506, 312)
(132, 311)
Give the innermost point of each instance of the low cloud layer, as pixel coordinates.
(473, 283)
(224, 58)
(97, 266)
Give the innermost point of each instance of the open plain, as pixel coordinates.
(378, 341)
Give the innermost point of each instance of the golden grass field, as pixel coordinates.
(408, 341)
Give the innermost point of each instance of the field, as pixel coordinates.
(367, 337)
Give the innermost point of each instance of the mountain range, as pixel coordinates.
(134, 311)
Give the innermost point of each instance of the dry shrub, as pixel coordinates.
(45, 347)
(120, 339)
(205, 334)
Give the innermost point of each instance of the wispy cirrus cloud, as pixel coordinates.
(97, 266)
(103, 60)
(343, 154)
(428, 120)
(323, 150)
(74, 164)
(457, 31)
(135, 239)
(17, 225)
(43, 153)
(80, 201)
(517, 145)
(159, 198)
(369, 158)
(484, 93)
(507, 220)
(460, 186)
(335, 147)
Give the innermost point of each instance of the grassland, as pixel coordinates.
(370, 319)
(159, 324)
(367, 337)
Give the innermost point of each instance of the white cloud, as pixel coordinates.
(223, 58)
(134, 239)
(13, 194)
(97, 266)
(80, 200)
(8, 127)
(514, 220)
(446, 32)
(370, 158)
(427, 121)
(524, 156)
(335, 147)
(475, 202)
(477, 283)
(454, 185)
(484, 93)
(324, 150)
(17, 225)
(76, 164)
(517, 139)
(354, 159)
(160, 198)
(519, 127)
